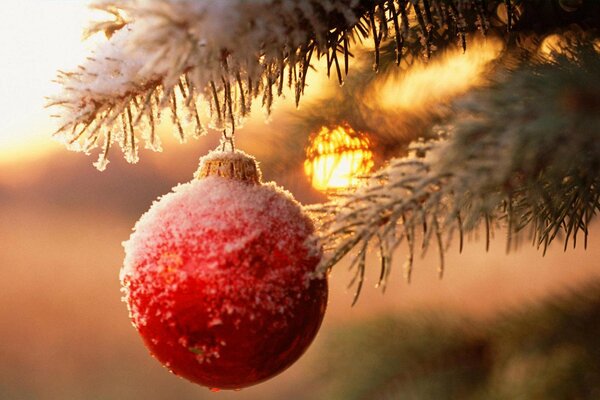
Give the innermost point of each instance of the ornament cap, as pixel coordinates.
(229, 164)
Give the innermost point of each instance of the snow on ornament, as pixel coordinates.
(219, 276)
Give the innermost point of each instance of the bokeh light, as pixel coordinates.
(436, 82)
(337, 158)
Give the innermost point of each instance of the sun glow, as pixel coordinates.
(337, 158)
(37, 38)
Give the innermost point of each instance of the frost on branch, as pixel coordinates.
(523, 154)
(181, 57)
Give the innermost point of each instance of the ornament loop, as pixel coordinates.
(227, 140)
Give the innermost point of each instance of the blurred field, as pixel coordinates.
(64, 334)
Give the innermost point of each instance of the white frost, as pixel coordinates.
(225, 53)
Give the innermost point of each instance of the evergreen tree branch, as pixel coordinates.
(222, 55)
(179, 55)
(523, 154)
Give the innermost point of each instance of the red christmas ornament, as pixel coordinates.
(219, 277)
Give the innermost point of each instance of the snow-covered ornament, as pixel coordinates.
(219, 276)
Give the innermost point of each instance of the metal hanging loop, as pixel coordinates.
(227, 140)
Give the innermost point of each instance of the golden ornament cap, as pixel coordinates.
(229, 164)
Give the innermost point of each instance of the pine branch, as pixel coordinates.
(523, 153)
(182, 55)
(185, 55)
(222, 55)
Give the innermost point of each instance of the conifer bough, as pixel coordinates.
(222, 55)
(181, 57)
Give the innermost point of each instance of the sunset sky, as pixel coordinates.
(37, 37)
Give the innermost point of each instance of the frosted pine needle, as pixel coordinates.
(196, 55)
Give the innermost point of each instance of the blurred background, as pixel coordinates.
(497, 326)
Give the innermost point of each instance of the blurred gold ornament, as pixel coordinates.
(336, 158)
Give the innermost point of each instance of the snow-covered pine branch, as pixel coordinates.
(189, 55)
(523, 154)
(162, 54)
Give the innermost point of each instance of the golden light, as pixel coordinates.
(37, 38)
(450, 75)
(337, 158)
(553, 43)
